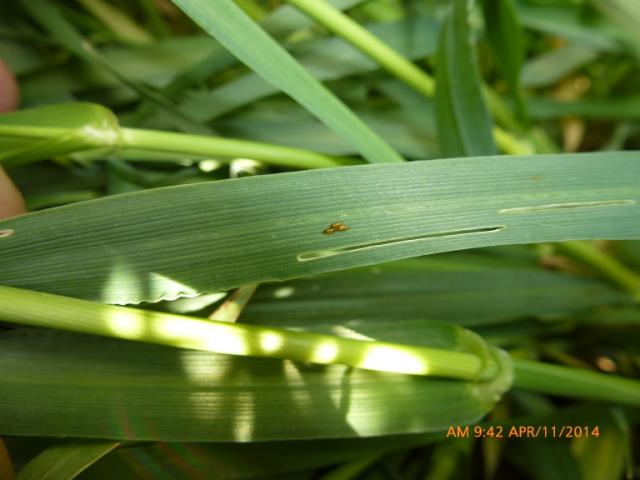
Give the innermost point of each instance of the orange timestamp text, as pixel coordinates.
(523, 431)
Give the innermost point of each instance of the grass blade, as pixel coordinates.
(507, 43)
(246, 40)
(65, 460)
(467, 295)
(169, 242)
(464, 125)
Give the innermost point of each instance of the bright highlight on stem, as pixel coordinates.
(27, 307)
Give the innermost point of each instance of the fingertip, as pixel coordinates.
(9, 93)
(11, 202)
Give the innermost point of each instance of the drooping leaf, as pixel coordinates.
(614, 108)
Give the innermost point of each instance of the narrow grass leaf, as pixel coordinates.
(415, 290)
(609, 109)
(507, 43)
(464, 125)
(65, 460)
(570, 22)
(550, 67)
(246, 40)
(168, 242)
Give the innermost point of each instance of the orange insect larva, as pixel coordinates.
(335, 227)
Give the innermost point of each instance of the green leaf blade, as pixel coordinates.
(144, 392)
(65, 460)
(463, 122)
(507, 43)
(185, 240)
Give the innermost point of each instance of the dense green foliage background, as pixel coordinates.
(156, 144)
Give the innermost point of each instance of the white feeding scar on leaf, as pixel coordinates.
(556, 206)
(6, 233)
(307, 256)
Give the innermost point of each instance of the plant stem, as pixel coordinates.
(181, 144)
(369, 44)
(226, 147)
(234, 304)
(27, 131)
(340, 24)
(604, 264)
(39, 309)
(575, 382)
